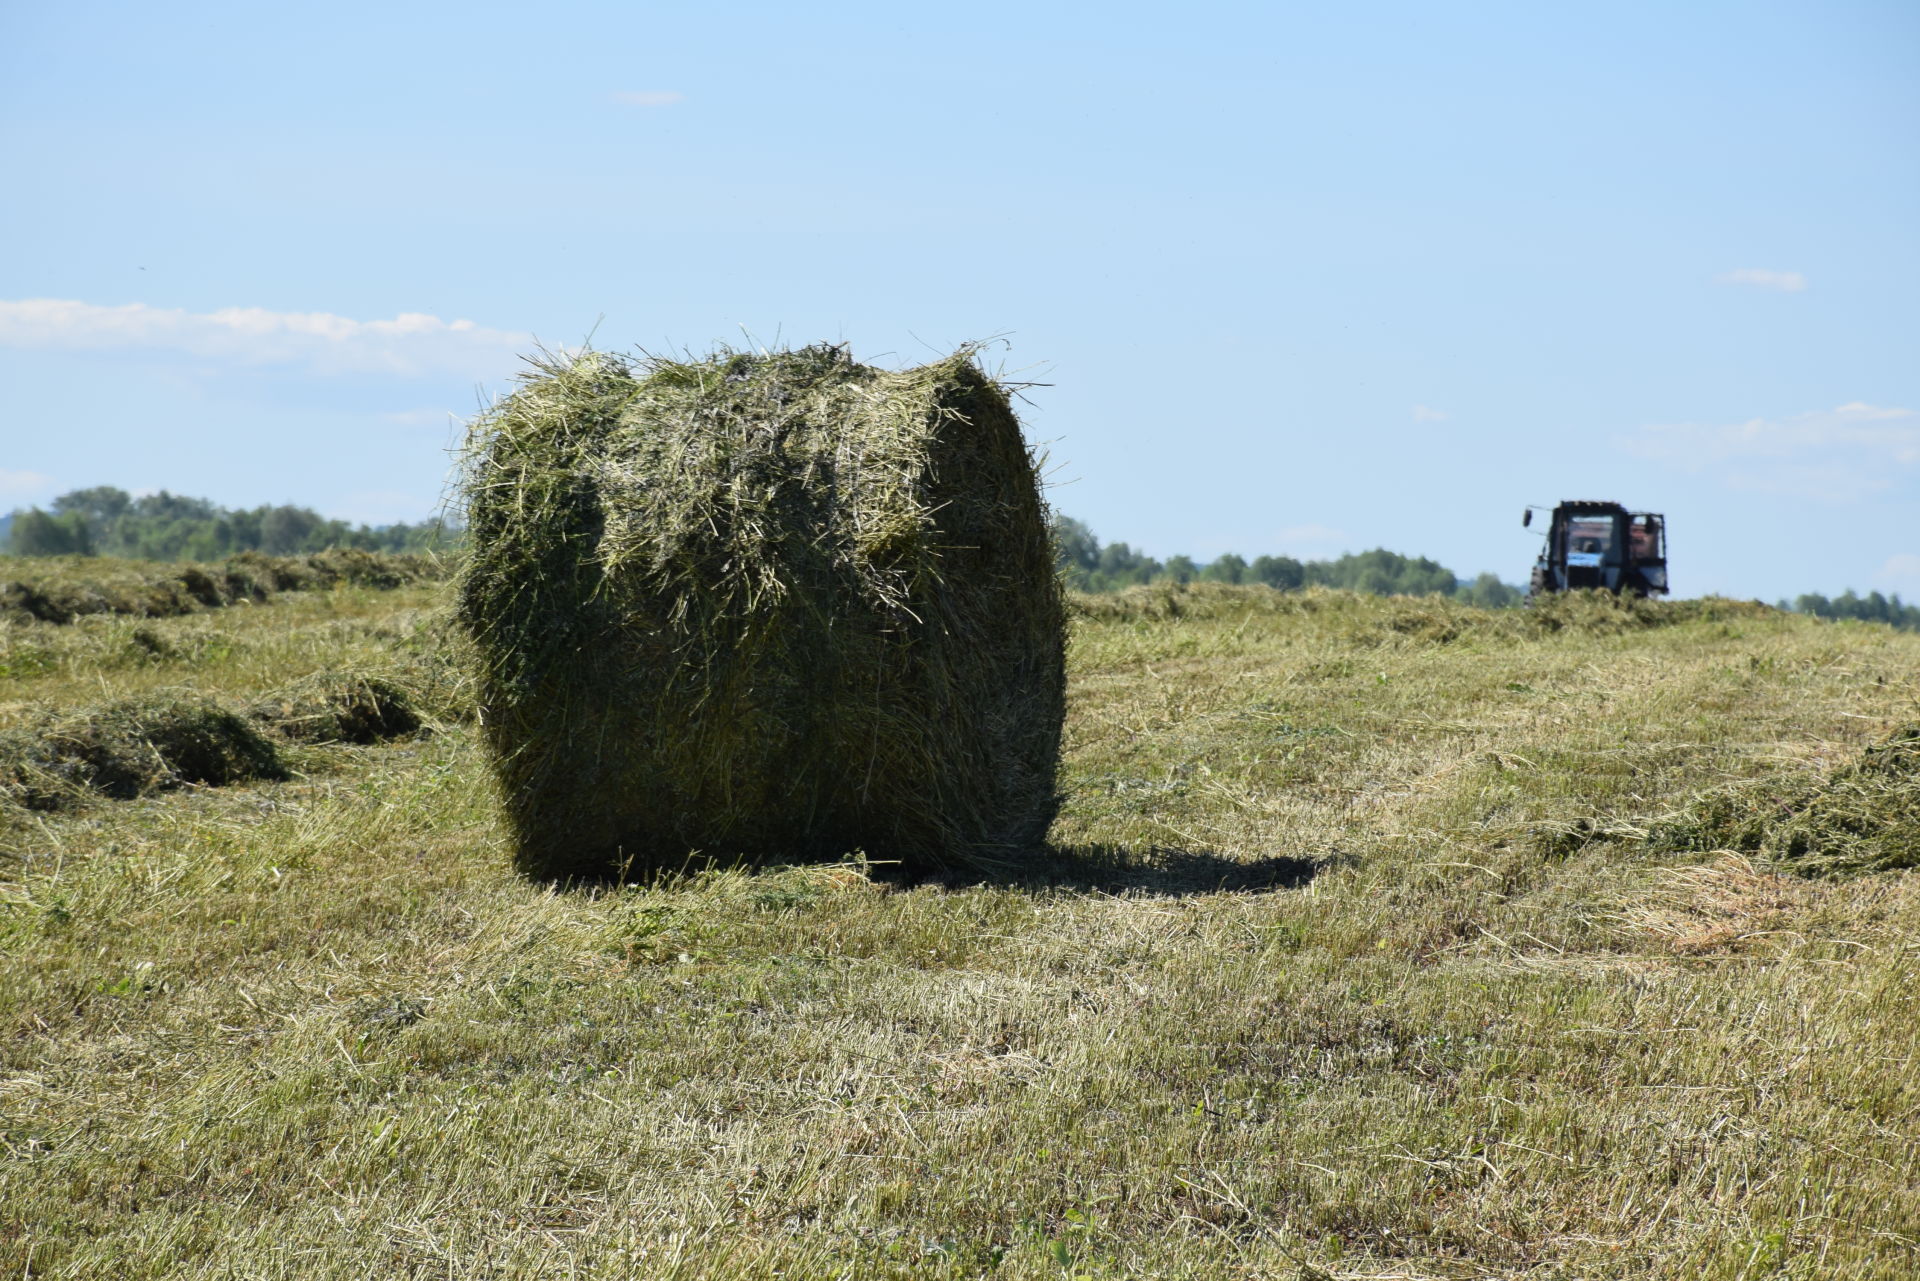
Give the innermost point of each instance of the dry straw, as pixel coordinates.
(1864, 816)
(135, 746)
(340, 707)
(69, 587)
(762, 606)
(129, 748)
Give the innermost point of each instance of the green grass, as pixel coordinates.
(1354, 959)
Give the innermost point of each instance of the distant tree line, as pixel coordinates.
(104, 521)
(1091, 566)
(1871, 608)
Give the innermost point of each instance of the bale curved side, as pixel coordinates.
(778, 606)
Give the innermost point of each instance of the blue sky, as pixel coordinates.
(1304, 279)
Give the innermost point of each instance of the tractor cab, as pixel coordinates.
(1600, 544)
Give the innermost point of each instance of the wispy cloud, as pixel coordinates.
(1901, 573)
(648, 97)
(16, 485)
(1428, 414)
(410, 343)
(1838, 454)
(1790, 282)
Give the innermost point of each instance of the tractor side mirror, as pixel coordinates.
(1526, 517)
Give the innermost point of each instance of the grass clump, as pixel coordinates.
(340, 707)
(131, 747)
(1862, 817)
(338, 566)
(762, 605)
(1605, 613)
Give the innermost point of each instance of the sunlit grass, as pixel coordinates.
(1353, 960)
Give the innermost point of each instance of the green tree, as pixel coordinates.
(1090, 565)
(1488, 592)
(1871, 608)
(107, 521)
(1281, 572)
(1076, 549)
(286, 530)
(102, 507)
(1384, 573)
(1121, 566)
(1225, 569)
(40, 533)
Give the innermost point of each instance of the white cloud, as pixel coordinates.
(1838, 454)
(1791, 282)
(17, 485)
(1428, 414)
(1901, 573)
(648, 97)
(410, 343)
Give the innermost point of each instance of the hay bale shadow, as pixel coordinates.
(1155, 870)
(1081, 869)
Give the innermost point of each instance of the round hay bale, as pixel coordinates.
(762, 606)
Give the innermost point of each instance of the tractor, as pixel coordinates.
(1602, 544)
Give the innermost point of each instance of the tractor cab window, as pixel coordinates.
(1589, 538)
(1645, 538)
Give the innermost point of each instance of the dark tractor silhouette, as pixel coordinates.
(1601, 544)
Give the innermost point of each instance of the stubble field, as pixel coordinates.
(1380, 938)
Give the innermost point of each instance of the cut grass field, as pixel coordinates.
(1359, 954)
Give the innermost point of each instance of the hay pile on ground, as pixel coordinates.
(340, 707)
(61, 589)
(129, 748)
(134, 747)
(1863, 817)
(1433, 617)
(778, 605)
